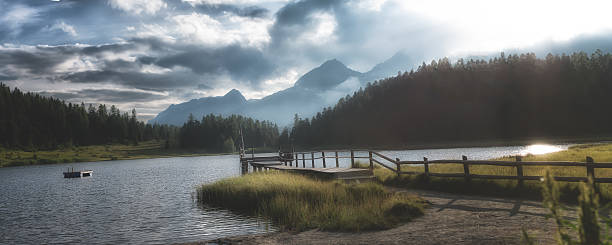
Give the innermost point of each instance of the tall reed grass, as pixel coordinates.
(296, 202)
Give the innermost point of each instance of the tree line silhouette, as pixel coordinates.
(31, 121)
(222, 134)
(504, 98)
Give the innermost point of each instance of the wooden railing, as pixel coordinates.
(518, 164)
(395, 165)
(297, 157)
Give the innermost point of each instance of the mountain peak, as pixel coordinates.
(332, 62)
(327, 75)
(400, 61)
(233, 92)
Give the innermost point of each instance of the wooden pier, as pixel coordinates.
(309, 163)
(285, 162)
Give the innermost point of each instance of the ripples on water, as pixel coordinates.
(137, 201)
(146, 201)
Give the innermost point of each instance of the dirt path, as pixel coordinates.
(450, 219)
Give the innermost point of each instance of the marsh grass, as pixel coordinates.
(510, 188)
(296, 202)
(144, 150)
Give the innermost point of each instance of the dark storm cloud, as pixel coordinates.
(294, 17)
(360, 37)
(36, 62)
(204, 87)
(245, 64)
(217, 9)
(95, 22)
(7, 78)
(134, 79)
(114, 96)
(42, 60)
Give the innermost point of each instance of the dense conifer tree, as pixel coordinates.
(508, 97)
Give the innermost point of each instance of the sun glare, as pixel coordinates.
(539, 149)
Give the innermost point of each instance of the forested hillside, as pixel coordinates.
(31, 120)
(508, 97)
(222, 134)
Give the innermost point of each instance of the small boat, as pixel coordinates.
(77, 174)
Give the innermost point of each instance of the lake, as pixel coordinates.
(148, 201)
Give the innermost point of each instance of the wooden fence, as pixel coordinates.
(295, 158)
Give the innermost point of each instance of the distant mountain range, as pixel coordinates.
(321, 87)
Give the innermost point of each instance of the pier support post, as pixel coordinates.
(426, 165)
(323, 157)
(466, 169)
(371, 162)
(337, 161)
(312, 159)
(303, 160)
(352, 158)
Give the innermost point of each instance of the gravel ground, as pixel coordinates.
(450, 219)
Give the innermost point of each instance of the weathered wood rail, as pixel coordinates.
(590, 165)
(307, 160)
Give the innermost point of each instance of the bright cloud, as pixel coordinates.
(17, 16)
(493, 25)
(323, 31)
(138, 6)
(62, 26)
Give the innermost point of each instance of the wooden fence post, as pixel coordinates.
(337, 161)
(466, 169)
(519, 170)
(591, 173)
(323, 157)
(352, 158)
(426, 165)
(398, 167)
(312, 158)
(371, 162)
(303, 160)
(589, 167)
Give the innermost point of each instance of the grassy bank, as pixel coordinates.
(296, 202)
(144, 150)
(509, 188)
(467, 144)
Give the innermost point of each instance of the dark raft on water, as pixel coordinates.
(77, 174)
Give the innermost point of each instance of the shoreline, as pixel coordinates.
(489, 220)
(476, 144)
(152, 150)
(95, 153)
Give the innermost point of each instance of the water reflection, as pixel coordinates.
(539, 149)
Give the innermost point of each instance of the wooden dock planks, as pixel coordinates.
(331, 173)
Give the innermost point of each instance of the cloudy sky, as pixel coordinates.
(148, 54)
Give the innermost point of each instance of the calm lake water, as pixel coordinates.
(147, 201)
